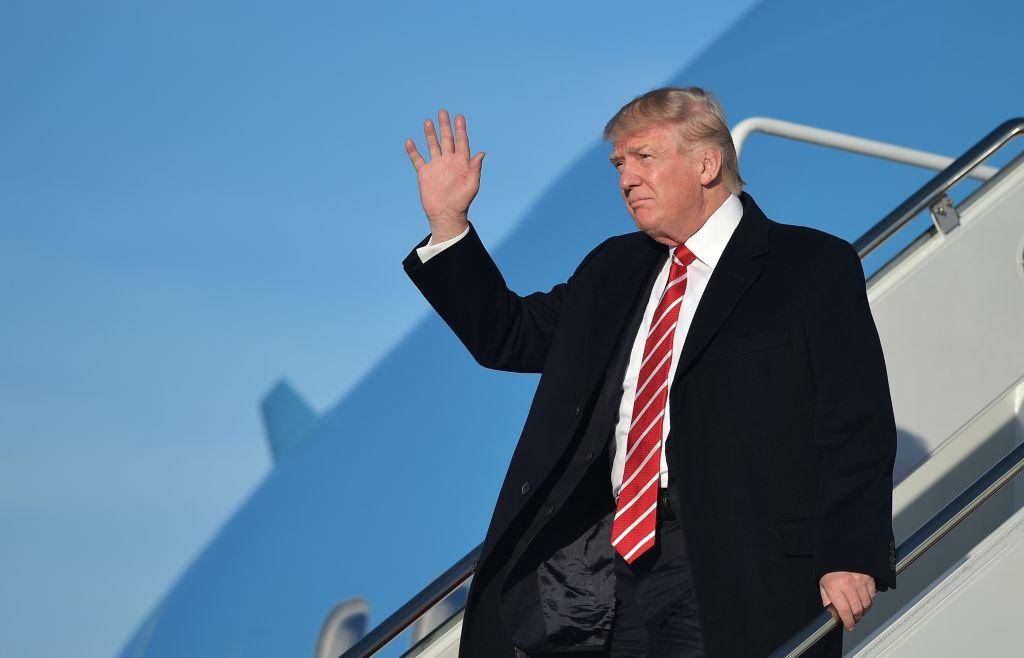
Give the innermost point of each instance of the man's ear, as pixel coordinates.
(710, 166)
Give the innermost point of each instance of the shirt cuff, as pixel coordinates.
(429, 250)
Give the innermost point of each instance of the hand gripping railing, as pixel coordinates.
(940, 524)
(927, 536)
(1009, 466)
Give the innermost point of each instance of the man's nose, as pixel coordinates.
(628, 179)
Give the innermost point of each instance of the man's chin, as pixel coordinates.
(645, 223)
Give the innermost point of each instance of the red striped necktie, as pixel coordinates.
(635, 514)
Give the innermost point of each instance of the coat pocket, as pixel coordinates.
(795, 536)
(755, 342)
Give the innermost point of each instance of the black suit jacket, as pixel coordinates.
(781, 449)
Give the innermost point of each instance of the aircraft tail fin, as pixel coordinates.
(286, 419)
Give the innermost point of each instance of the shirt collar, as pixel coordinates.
(708, 243)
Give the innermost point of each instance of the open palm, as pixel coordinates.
(449, 182)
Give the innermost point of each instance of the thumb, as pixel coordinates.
(825, 600)
(477, 162)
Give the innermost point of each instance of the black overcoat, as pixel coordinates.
(780, 455)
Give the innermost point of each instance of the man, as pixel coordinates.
(708, 456)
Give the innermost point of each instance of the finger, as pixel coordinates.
(865, 596)
(431, 134)
(414, 154)
(461, 136)
(842, 605)
(852, 594)
(445, 124)
(477, 162)
(826, 601)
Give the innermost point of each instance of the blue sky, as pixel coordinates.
(196, 200)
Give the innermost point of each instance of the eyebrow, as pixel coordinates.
(632, 150)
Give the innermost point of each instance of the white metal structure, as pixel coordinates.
(844, 142)
(973, 606)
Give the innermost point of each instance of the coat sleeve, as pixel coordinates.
(502, 330)
(854, 426)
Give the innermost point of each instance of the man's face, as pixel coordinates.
(660, 183)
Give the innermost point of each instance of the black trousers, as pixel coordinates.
(656, 610)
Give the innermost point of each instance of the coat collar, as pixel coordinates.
(732, 277)
(750, 236)
(734, 273)
(709, 241)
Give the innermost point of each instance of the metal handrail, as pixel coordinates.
(958, 509)
(404, 617)
(936, 188)
(1007, 468)
(831, 139)
(910, 550)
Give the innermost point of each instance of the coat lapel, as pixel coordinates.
(630, 285)
(735, 272)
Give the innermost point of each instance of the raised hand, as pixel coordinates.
(450, 181)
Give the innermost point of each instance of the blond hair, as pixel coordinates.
(696, 112)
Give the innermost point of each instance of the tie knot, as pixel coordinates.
(683, 255)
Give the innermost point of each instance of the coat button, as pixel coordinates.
(579, 410)
(525, 489)
(550, 511)
(590, 457)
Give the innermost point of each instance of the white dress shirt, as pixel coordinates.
(429, 250)
(707, 244)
